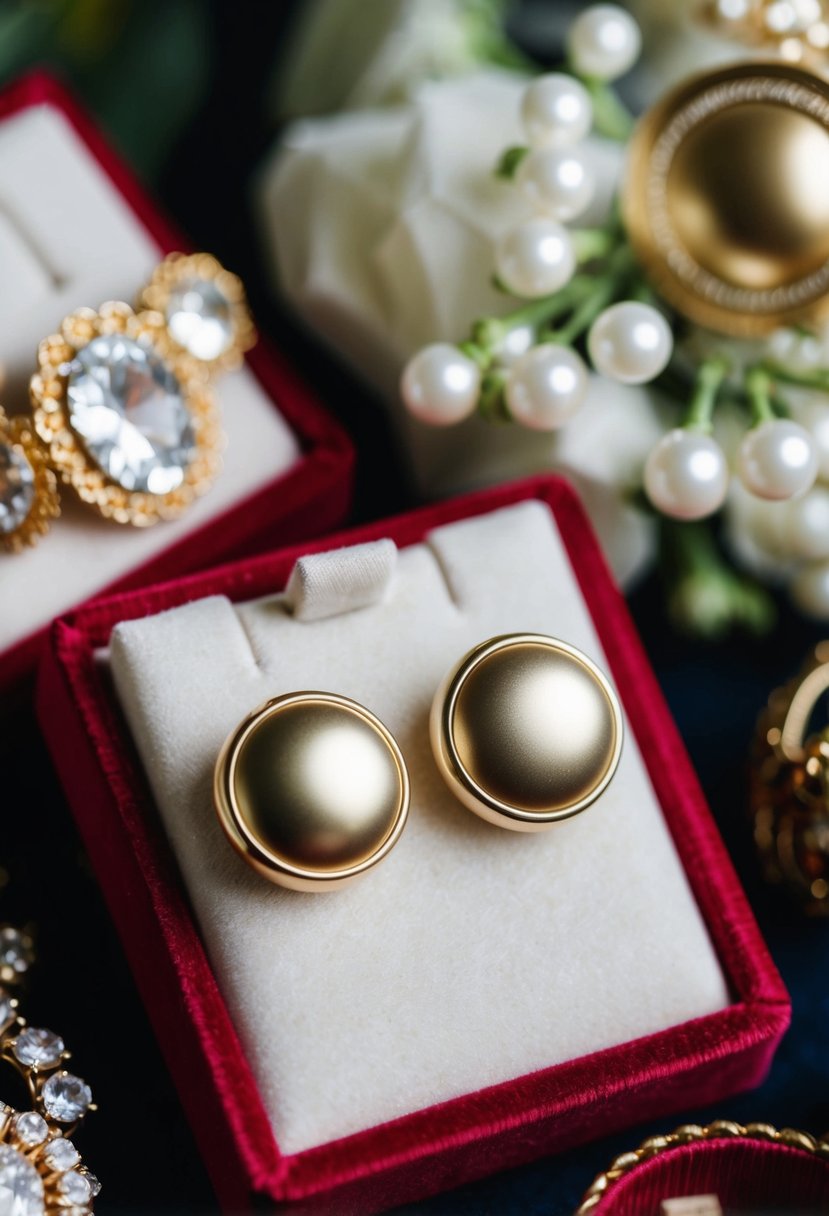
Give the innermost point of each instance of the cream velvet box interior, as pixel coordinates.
(471, 955)
(69, 238)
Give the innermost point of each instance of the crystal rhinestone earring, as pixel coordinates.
(204, 307)
(28, 487)
(526, 730)
(40, 1168)
(312, 790)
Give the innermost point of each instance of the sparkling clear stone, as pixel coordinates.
(67, 1098)
(17, 488)
(75, 1187)
(36, 1048)
(128, 408)
(61, 1155)
(21, 1190)
(200, 319)
(31, 1129)
(7, 1013)
(15, 950)
(94, 1184)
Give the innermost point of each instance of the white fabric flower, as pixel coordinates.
(381, 226)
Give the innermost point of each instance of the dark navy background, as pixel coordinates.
(139, 1143)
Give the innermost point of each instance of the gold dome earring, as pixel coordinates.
(311, 790)
(526, 730)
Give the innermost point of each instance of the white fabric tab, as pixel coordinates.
(328, 584)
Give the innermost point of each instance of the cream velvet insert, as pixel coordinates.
(472, 954)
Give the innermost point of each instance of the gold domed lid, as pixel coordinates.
(726, 199)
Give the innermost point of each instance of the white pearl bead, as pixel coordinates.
(546, 387)
(558, 181)
(686, 475)
(514, 345)
(806, 526)
(814, 414)
(535, 259)
(777, 459)
(809, 590)
(556, 110)
(630, 342)
(604, 42)
(440, 385)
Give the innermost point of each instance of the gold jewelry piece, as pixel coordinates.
(692, 1133)
(797, 31)
(39, 1166)
(204, 307)
(727, 198)
(128, 419)
(789, 787)
(312, 790)
(28, 488)
(526, 731)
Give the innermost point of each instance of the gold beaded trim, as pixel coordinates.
(18, 433)
(176, 269)
(692, 1133)
(67, 453)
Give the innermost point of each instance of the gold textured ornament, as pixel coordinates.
(789, 787)
(726, 199)
(312, 790)
(28, 488)
(797, 30)
(526, 731)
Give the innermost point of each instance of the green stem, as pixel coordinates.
(707, 385)
(605, 289)
(592, 243)
(611, 117)
(489, 332)
(759, 390)
(817, 378)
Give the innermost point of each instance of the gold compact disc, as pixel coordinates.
(312, 790)
(526, 731)
(726, 198)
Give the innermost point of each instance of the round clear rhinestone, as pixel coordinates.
(37, 1048)
(7, 1010)
(17, 488)
(200, 319)
(129, 409)
(75, 1187)
(16, 950)
(21, 1190)
(61, 1155)
(31, 1129)
(66, 1097)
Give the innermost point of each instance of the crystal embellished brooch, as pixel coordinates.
(123, 411)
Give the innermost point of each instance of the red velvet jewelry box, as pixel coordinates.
(307, 499)
(432, 1149)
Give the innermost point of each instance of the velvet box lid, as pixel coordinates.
(304, 498)
(496, 1127)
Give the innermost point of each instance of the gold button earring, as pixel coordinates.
(312, 790)
(526, 730)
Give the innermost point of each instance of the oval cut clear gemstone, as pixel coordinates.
(200, 319)
(66, 1098)
(17, 488)
(37, 1048)
(61, 1155)
(129, 409)
(76, 1187)
(31, 1128)
(21, 1190)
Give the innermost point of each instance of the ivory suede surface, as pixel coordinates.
(471, 955)
(67, 239)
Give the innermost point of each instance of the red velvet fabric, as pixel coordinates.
(430, 1150)
(310, 499)
(746, 1176)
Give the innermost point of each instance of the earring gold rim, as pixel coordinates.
(67, 453)
(18, 435)
(469, 787)
(271, 859)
